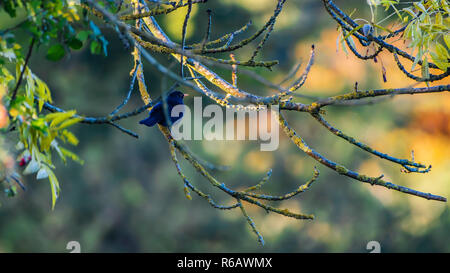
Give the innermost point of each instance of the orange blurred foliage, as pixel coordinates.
(335, 70)
(3, 112)
(3, 117)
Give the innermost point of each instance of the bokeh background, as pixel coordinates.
(127, 197)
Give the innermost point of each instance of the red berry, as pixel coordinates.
(24, 161)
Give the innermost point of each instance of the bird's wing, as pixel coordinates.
(155, 116)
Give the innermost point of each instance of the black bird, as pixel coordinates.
(157, 115)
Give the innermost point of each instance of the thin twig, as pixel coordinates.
(19, 81)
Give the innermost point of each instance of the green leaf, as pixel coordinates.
(436, 60)
(410, 12)
(96, 48)
(417, 59)
(43, 93)
(397, 12)
(72, 156)
(10, 8)
(425, 69)
(11, 192)
(447, 40)
(56, 147)
(54, 185)
(439, 20)
(441, 51)
(420, 7)
(56, 52)
(83, 35)
(383, 28)
(351, 32)
(39, 124)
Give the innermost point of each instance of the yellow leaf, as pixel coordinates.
(54, 186)
(351, 32)
(441, 51)
(425, 69)
(437, 61)
(57, 118)
(447, 40)
(69, 122)
(72, 156)
(71, 138)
